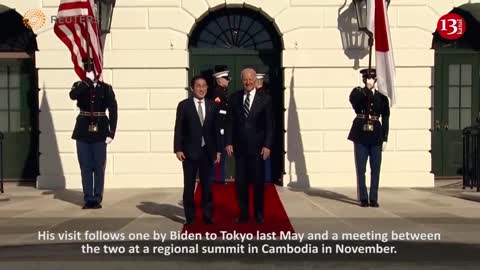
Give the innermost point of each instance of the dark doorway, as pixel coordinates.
(18, 97)
(241, 38)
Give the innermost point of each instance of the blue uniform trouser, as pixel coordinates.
(213, 174)
(362, 153)
(92, 158)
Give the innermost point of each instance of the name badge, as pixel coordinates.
(222, 112)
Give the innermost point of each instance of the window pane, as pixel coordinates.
(454, 97)
(3, 99)
(15, 99)
(466, 74)
(15, 121)
(3, 77)
(207, 37)
(466, 118)
(453, 119)
(14, 77)
(454, 74)
(4, 121)
(466, 97)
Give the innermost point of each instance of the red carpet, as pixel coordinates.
(226, 212)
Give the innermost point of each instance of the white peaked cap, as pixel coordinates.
(221, 74)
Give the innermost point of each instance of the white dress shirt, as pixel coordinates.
(252, 96)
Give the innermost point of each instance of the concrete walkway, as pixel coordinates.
(25, 211)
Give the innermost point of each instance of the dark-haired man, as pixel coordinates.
(197, 146)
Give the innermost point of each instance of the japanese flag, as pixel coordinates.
(377, 23)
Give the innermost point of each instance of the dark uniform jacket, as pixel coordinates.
(365, 102)
(189, 130)
(249, 136)
(220, 97)
(96, 99)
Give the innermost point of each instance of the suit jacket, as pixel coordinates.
(249, 135)
(189, 130)
(96, 99)
(364, 101)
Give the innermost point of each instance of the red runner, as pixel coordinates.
(226, 212)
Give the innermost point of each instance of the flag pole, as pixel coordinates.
(370, 45)
(88, 47)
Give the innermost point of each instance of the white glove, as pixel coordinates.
(384, 146)
(108, 140)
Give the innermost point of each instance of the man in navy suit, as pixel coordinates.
(249, 137)
(197, 145)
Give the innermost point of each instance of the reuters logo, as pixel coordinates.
(34, 19)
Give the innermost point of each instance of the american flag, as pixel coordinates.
(77, 27)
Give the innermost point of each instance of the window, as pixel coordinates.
(459, 96)
(234, 28)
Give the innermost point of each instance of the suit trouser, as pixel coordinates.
(190, 169)
(221, 165)
(268, 170)
(250, 168)
(362, 153)
(92, 158)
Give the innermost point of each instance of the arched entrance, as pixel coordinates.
(240, 38)
(456, 94)
(18, 97)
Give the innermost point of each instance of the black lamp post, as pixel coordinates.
(104, 15)
(361, 12)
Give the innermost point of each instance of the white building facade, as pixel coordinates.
(148, 61)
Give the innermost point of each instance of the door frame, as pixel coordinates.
(34, 111)
(236, 52)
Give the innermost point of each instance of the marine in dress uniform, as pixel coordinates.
(220, 97)
(369, 133)
(261, 88)
(93, 131)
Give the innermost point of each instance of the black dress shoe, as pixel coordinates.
(88, 205)
(241, 221)
(364, 204)
(374, 204)
(97, 206)
(208, 221)
(259, 220)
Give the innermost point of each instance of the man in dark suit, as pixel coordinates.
(197, 145)
(249, 137)
(369, 134)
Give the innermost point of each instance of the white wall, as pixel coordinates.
(146, 60)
